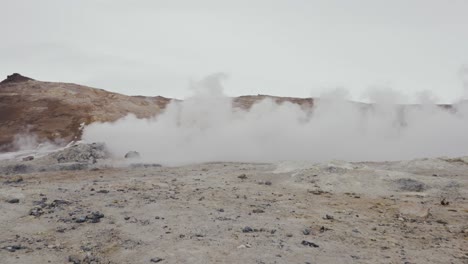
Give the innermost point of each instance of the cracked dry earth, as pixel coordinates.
(239, 213)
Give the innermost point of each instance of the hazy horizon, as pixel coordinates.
(283, 48)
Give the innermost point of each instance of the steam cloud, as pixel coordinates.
(206, 127)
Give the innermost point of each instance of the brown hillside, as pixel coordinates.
(55, 111)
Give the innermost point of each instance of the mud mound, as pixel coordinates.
(88, 153)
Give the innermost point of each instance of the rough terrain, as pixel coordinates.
(287, 212)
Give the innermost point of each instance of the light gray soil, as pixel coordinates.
(288, 212)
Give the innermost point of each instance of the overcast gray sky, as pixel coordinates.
(290, 47)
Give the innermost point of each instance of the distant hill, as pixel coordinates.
(56, 111)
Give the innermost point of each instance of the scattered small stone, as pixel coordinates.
(444, 202)
(310, 244)
(36, 211)
(103, 191)
(74, 259)
(242, 176)
(14, 200)
(329, 217)
(443, 222)
(316, 192)
(247, 229)
(95, 217)
(127, 218)
(221, 210)
(13, 248)
(268, 183)
(306, 232)
(156, 260)
(289, 235)
(258, 211)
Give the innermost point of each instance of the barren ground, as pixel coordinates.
(288, 212)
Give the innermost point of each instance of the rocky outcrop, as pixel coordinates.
(16, 78)
(89, 153)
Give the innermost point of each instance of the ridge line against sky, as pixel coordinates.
(286, 48)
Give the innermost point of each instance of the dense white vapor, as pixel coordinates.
(206, 127)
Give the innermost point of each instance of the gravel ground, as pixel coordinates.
(287, 212)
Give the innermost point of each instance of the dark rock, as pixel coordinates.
(156, 260)
(329, 217)
(442, 222)
(80, 220)
(17, 179)
(258, 211)
(36, 211)
(242, 176)
(13, 248)
(444, 202)
(268, 183)
(132, 155)
(74, 259)
(91, 259)
(14, 200)
(309, 244)
(144, 165)
(58, 203)
(15, 78)
(103, 191)
(95, 217)
(316, 192)
(28, 158)
(247, 229)
(410, 185)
